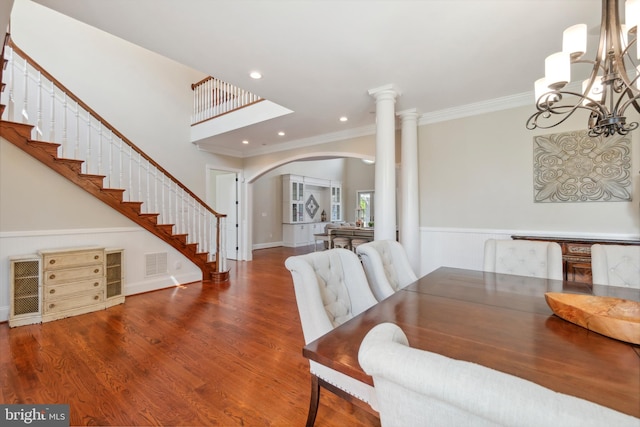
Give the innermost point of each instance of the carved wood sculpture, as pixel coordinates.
(614, 317)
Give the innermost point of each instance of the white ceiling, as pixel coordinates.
(319, 58)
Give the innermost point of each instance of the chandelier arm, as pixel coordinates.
(546, 113)
(633, 100)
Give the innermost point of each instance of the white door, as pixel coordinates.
(227, 202)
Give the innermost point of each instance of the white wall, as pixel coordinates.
(476, 182)
(267, 197)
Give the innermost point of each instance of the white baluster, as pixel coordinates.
(139, 177)
(12, 101)
(120, 165)
(99, 172)
(89, 160)
(39, 109)
(155, 192)
(130, 174)
(64, 125)
(148, 203)
(25, 115)
(110, 160)
(77, 150)
(52, 130)
(164, 209)
(211, 98)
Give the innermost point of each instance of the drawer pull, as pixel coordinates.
(53, 261)
(53, 276)
(52, 291)
(97, 297)
(96, 257)
(51, 305)
(96, 271)
(96, 284)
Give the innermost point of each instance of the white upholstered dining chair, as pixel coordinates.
(524, 258)
(330, 288)
(616, 265)
(386, 266)
(419, 388)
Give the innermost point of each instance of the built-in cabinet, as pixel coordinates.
(304, 199)
(61, 283)
(336, 201)
(293, 199)
(295, 235)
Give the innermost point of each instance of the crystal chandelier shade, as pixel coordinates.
(612, 86)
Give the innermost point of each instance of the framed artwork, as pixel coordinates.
(573, 167)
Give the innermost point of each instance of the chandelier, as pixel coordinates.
(612, 86)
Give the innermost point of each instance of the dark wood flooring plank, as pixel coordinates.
(192, 355)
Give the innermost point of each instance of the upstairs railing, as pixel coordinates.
(213, 97)
(33, 96)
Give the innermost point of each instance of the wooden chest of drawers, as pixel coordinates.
(55, 284)
(576, 254)
(73, 282)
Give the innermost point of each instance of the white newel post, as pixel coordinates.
(385, 181)
(409, 221)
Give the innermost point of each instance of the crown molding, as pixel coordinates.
(489, 106)
(474, 109)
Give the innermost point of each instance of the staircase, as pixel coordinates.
(93, 155)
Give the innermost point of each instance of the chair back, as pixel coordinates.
(419, 388)
(386, 266)
(524, 258)
(616, 265)
(330, 288)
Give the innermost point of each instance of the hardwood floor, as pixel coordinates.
(193, 355)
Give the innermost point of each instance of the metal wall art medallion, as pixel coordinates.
(312, 206)
(573, 167)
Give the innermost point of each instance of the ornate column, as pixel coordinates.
(410, 207)
(385, 182)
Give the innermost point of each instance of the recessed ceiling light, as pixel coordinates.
(245, 142)
(255, 75)
(281, 133)
(343, 119)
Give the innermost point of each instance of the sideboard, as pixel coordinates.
(55, 284)
(576, 254)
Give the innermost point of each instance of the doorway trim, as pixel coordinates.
(211, 170)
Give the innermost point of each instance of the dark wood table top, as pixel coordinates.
(502, 322)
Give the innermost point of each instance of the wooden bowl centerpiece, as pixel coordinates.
(613, 317)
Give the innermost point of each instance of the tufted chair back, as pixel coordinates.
(616, 265)
(524, 258)
(386, 266)
(330, 288)
(420, 388)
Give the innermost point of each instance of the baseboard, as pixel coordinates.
(267, 245)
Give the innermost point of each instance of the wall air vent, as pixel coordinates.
(155, 264)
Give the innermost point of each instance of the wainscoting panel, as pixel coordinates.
(464, 248)
(135, 241)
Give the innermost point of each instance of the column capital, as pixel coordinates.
(389, 91)
(411, 113)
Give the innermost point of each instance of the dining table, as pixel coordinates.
(503, 322)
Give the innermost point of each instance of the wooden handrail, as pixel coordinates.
(195, 85)
(227, 112)
(111, 128)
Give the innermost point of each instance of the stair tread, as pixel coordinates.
(46, 152)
